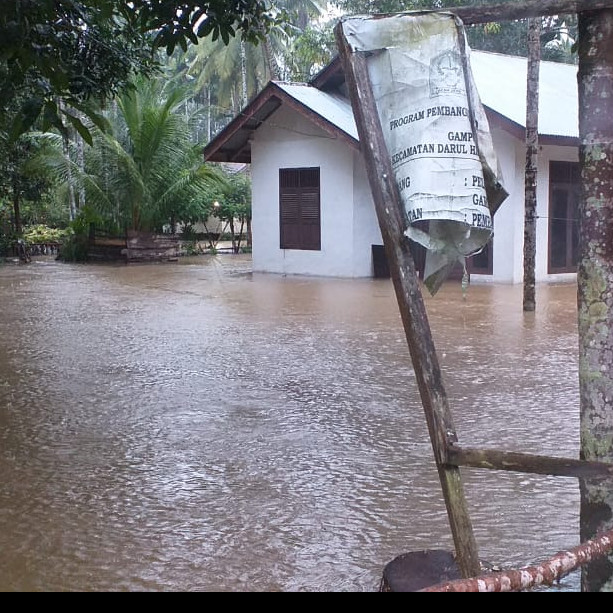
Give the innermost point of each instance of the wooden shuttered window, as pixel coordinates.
(299, 208)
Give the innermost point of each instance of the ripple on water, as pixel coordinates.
(196, 427)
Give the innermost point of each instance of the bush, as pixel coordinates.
(44, 235)
(75, 248)
(6, 243)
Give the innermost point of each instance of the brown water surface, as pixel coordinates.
(192, 426)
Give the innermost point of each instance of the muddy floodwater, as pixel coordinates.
(193, 426)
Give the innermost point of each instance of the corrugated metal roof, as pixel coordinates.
(500, 79)
(334, 108)
(502, 84)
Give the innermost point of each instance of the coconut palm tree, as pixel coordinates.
(234, 72)
(143, 172)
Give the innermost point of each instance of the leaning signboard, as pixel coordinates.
(436, 133)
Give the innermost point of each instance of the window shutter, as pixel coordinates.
(299, 208)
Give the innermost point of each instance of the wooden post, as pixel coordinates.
(595, 279)
(408, 292)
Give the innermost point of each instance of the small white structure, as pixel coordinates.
(312, 208)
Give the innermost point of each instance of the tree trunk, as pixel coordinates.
(233, 234)
(595, 282)
(244, 91)
(496, 11)
(72, 201)
(209, 130)
(271, 61)
(81, 162)
(17, 210)
(239, 240)
(532, 142)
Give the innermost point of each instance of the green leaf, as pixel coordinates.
(80, 128)
(205, 29)
(101, 122)
(27, 116)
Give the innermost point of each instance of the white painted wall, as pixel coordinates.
(507, 226)
(348, 217)
(287, 140)
(366, 231)
(546, 155)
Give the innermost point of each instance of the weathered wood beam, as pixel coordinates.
(427, 369)
(510, 11)
(527, 463)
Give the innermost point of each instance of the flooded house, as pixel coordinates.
(313, 212)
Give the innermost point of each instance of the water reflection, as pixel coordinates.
(195, 427)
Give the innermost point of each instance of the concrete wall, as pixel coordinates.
(366, 231)
(289, 141)
(508, 225)
(348, 218)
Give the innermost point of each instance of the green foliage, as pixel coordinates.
(41, 235)
(75, 51)
(6, 243)
(83, 51)
(311, 50)
(234, 200)
(510, 37)
(179, 23)
(20, 184)
(75, 244)
(233, 205)
(49, 210)
(75, 248)
(144, 173)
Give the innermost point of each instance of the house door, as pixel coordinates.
(564, 195)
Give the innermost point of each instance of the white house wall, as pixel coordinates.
(287, 140)
(366, 232)
(348, 218)
(508, 238)
(508, 227)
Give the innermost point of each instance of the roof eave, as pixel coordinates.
(252, 117)
(497, 120)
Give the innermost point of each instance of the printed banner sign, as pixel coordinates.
(436, 132)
